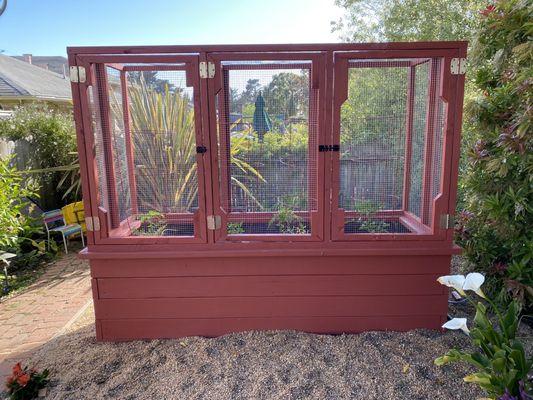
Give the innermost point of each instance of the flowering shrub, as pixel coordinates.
(500, 360)
(25, 383)
(496, 233)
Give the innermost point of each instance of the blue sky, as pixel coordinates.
(47, 27)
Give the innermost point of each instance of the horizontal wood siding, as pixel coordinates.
(308, 306)
(130, 329)
(143, 266)
(154, 298)
(268, 286)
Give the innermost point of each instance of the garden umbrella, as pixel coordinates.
(262, 122)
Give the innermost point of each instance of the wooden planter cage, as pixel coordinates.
(239, 187)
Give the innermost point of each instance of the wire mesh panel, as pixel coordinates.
(391, 134)
(267, 114)
(144, 120)
(428, 136)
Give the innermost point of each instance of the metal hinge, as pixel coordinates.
(328, 147)
(92, 223)
(214, 222)
(77, 74)
(458, 66)
(207, 69)
(447, 221)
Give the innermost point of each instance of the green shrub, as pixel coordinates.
(278, 145)
(19, 232)
(13, 206)
(496, 230)
(51, 138)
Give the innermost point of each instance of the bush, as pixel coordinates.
(13, 205)
(496, 230)
(19, 232)
(50, 137)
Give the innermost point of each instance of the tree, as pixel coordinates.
(287, 94)
(152, 81)
(407, 20)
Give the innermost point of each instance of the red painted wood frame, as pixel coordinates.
(114, 231)
(366, 244)
(315, 63)
(444, 89)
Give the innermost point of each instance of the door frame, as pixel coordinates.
(446, 92)
(118, 233)
(214, 87)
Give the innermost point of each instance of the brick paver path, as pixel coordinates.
(37, 314)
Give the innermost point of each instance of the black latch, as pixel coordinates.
(328, 147)
(201, 149)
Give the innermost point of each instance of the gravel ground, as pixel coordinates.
(255, 365)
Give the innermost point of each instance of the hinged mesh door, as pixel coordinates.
(267, 115)
(391, 136)
(144, 119)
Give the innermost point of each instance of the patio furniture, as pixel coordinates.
(75, 214)
(54, 221)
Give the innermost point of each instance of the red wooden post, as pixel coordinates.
(203, 160)
(340, 95)
(84, 138)
(312, 146)
(408, 137)
(129, 142)
(107, 135)
(427, 180)
(224, 141)
(327, 137)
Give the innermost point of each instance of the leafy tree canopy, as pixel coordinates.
(407, 20)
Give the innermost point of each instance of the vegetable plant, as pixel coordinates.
(153, 223)
(234, 228)
(288, 222)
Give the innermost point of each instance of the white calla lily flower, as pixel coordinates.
(457, 323)
(453, 281)
(473, 281)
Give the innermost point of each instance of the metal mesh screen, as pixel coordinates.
(420, 110)
(145, 144)
(108, 126)
(118, 144)
(267, 123)
(436, 158)
(373, 146)
(98, 147)
(162, 123)
(375, 176)
(428, 136)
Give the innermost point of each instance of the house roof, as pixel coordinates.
(22, 81)
(57, 64)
